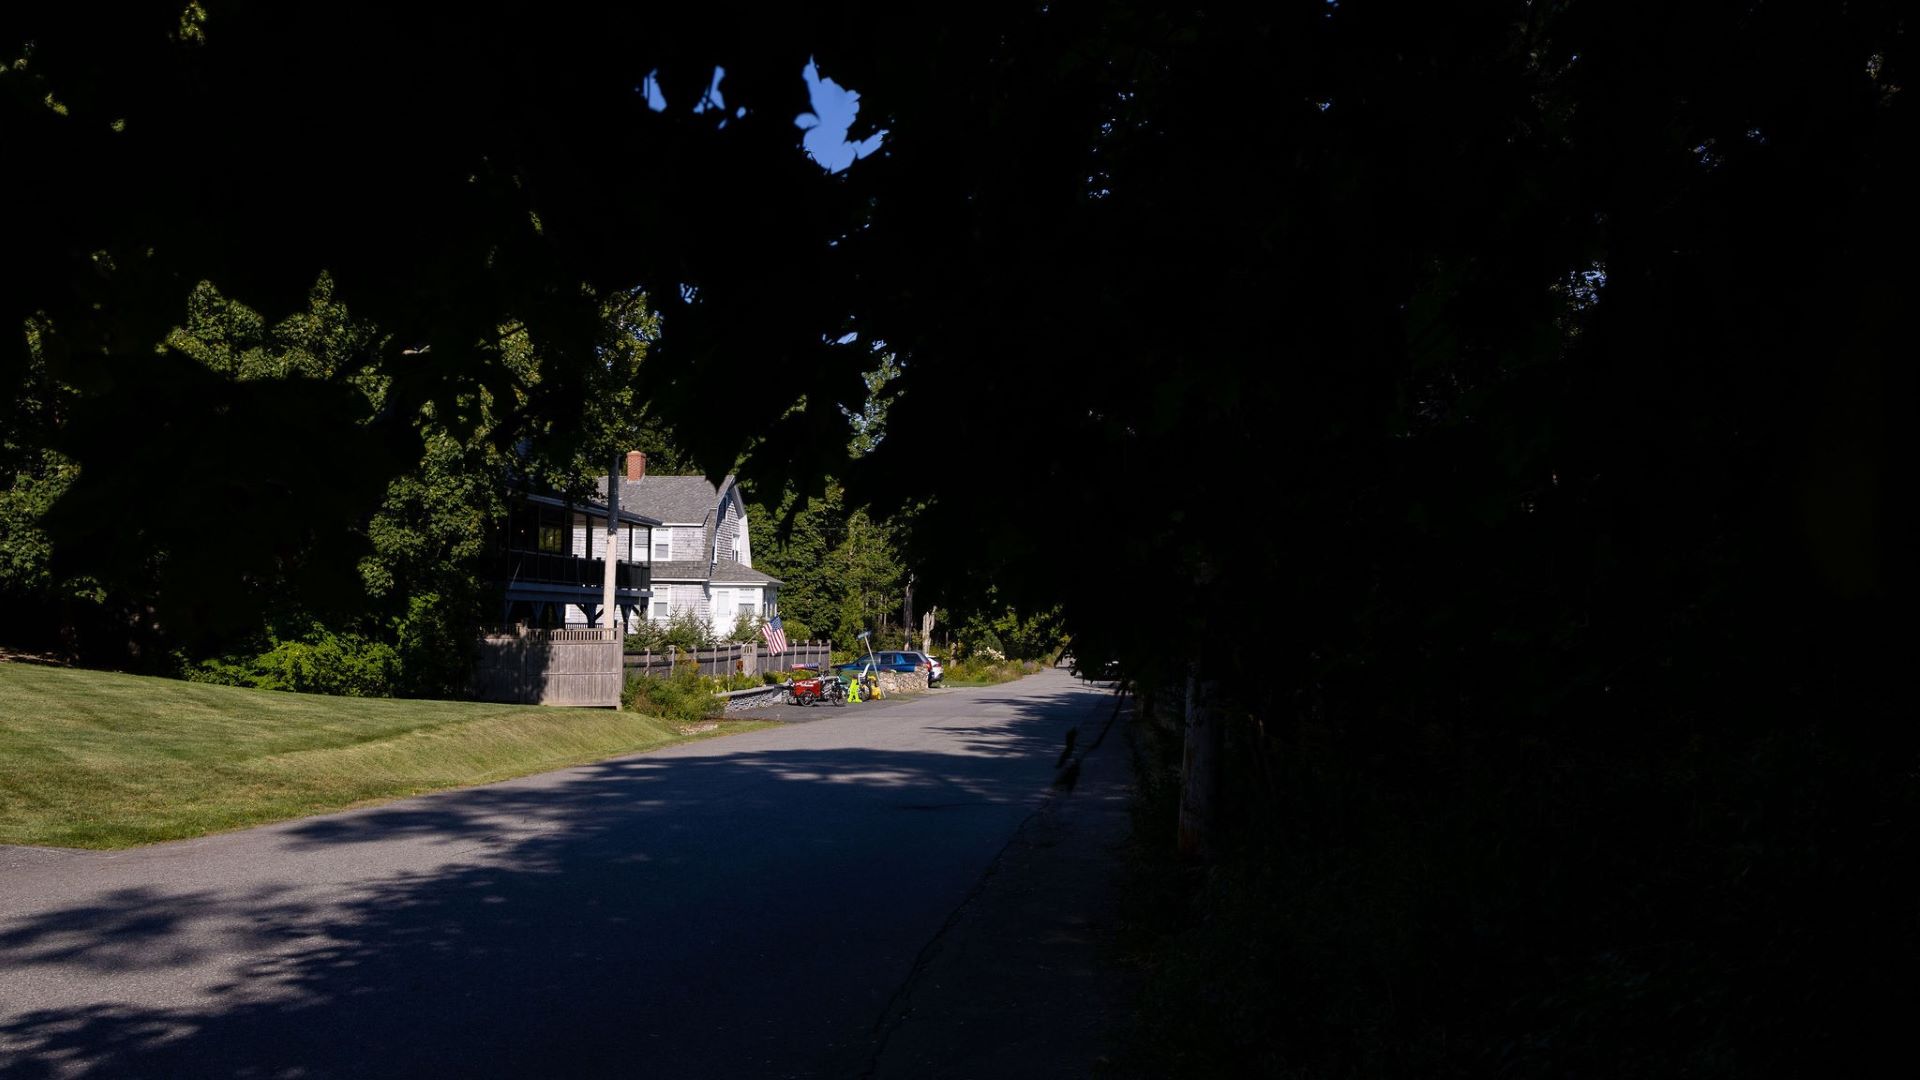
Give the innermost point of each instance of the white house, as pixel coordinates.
(700, 556)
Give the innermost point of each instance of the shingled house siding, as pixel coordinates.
(598, 543)
(689, 543)
(691, 598)
(729, 526)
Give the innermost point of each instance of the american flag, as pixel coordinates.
(775, 635)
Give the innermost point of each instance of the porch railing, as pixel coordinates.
(547, 568)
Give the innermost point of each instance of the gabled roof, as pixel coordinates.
(724, 573)
(688, 500)
(674, 500)
(733, 573)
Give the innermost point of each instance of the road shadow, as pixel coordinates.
(711, 913)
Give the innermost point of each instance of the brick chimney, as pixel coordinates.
(636, 464)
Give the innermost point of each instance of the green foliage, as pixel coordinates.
(322, 342)
(842, 569)
(433, 644)
(421, 594)
(684, 631)
(685, 697)
(986, 671)
(417, 546)
(569, 452)
(1012, 636)
(737, 680)
(35, 598)
(25, 550)
(318, 661)
(746, 628)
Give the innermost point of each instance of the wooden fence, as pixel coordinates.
(749, 658)
(550, 667)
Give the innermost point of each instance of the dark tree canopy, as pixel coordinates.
(1498, 401)
(1194, 264)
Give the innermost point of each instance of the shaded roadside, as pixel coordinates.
(1026, 979)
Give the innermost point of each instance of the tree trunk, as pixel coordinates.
(1199, 771)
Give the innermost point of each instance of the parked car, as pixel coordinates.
(905, 662)
(938, 672)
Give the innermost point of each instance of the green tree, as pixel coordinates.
(38, 607)
(841, 569)
(418, 591)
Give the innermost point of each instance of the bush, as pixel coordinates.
(434, 647)
(684, 631)
(685, 697)
(736, 681)
(979, 671)
(318, 662)
(1010, 635)
(745, 628)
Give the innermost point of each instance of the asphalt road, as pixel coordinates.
(756, 905)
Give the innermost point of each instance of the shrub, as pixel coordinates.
(980, 671)
(433, 645)
(683, 631)
(1009, 634)
(745, 628)
(738, 680)
(319, 661)
(688, 631)
(685, 697)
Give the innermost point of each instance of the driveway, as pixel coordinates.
(750, 906)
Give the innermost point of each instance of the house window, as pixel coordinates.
(663, 545)
(746, 605)
(553, 530)
(662, 610)
(523, 527)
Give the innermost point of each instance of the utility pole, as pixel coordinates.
(612, 577)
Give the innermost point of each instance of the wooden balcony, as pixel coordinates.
(547, 569)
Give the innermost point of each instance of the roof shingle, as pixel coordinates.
(674, 500)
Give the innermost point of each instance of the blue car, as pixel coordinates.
(907, 663)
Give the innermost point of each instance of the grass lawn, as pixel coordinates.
(100, 760)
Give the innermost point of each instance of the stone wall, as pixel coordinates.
(757, 698)
(899, 682)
